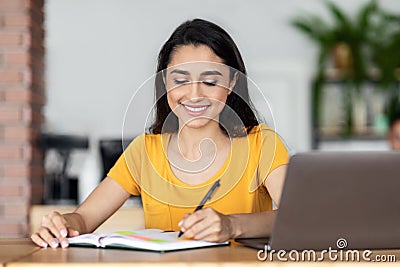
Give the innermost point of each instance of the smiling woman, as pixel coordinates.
(205, 43)
(199, 89)
(205, 129)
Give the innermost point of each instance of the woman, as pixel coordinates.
(204, 130)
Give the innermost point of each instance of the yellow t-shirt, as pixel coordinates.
(143, 169)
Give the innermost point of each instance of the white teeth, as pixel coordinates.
(196, 109)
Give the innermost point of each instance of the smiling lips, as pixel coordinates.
(195, 110)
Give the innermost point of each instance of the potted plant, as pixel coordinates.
(342, 43)
(384, 41)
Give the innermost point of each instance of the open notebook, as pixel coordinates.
(148, 239)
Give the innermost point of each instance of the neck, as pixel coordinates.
(190, 139)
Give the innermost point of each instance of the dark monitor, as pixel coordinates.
(110, 151)
(60, 187)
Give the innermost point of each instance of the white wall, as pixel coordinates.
(98, 52)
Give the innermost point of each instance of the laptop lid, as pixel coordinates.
(348, 196)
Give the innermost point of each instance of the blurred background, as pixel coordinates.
(69, 68)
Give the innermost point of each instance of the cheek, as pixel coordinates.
(219, 101)
(220, 95)
(173, 97)
(170, 98)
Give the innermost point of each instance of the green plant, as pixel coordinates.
(345, 32)
(384, 41)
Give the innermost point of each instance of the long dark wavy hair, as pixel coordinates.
(201, 32)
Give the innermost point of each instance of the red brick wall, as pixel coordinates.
(21, 102)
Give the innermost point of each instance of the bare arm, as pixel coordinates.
(274, 183)
(211, 225)
(100, 204)
(107, 198)
(260, 224)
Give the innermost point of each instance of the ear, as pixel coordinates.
(232, 82)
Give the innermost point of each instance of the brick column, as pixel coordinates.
(21, 102)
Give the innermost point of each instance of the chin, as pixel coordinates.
(198, 123)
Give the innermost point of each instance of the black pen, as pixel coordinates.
(204, 200)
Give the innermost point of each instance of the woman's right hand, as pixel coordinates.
(53, 231)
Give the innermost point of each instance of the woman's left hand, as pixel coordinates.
(207, 224)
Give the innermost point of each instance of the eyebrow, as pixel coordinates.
(178, 71)
(205, 73)
(211, 72)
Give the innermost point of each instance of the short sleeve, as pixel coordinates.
(273, 153)
(123, 175)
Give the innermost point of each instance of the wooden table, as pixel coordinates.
(31, 255)
(21, 252)
(12, 249)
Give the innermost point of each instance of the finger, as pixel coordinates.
(213, 238)
(45, 234)
(192, 219)
(49, 224)
(72, 232)
(194, 224)
(181, 222)
(185, 216)
(209, 227)
(38, 241)
(60, 224)
(217, 228)
(203, 229)
(210, 233)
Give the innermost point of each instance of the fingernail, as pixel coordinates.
(54, 243)
(63, 233)
(44, 245)
(64, 244)
(180, 223)
(183, 229)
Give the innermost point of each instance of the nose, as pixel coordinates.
(194, 91)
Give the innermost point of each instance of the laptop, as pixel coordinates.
(345, 200)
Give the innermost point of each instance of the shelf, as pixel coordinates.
(369, 121)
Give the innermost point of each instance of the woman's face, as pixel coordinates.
(197, 84)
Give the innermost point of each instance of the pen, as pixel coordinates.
(204, 200)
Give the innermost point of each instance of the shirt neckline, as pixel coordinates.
(175, 180)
